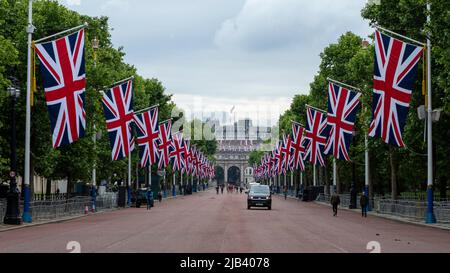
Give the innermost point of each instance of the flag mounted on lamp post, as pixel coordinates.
(63, 68)
(316, 133)
(395, 70)
(177, 152)
(147, 136)
(164, 143)
(298, 150)
(342, 108)
(118, 109)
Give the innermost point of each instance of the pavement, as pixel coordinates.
(206, 222)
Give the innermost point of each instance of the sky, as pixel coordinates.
(212, 55)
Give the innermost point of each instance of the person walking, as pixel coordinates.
(285, 190)
(335, 201)
(149, 198)
(159, 196)
(363, 201)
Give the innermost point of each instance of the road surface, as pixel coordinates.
(206, 222)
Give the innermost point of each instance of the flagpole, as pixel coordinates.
(145, 109)
(366, 167)
(181, 181)
(129, 179)
(118, 82)
(334, 176)
(430, 218)
(315, 108)
(402, 36)
(314, 175)
(26, 216)
(150, 176)
(62, 32)
(174, 193)
(344, 84)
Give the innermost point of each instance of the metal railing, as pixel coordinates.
(2, 209)
(412, 209)
(54, 209)
(51, 209)
(344, 198)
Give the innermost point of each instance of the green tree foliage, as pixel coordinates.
(349, 62)
(74, 161)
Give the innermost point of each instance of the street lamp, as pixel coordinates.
(95, 45)
(12, 216)
(353, 185)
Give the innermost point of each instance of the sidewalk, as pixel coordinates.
(4, 227)
(394, 217)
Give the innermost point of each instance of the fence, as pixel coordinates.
(58, 208)
(412, 209)
(344, 198)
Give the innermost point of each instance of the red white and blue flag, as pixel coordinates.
(298, 150)
(63, 69)
(187, 158)
(286, 152)
(164, 144)
(147, 136)
(177, 153)
(395, 69)
(315, 138)
(118, 110)
(342, 109)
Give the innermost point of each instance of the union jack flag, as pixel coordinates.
(195, 163)
(147, 136)
(279, 158)
(315, 138)
(118, 109)
(298, 150)
(342, 108)
(164, 144)
(286, 152)
(177, 153)
(273, 163)
(62, 66)
(395, 69)
(187, 158)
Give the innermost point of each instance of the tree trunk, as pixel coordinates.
(393, 164)
(69, 186)
(48, 189)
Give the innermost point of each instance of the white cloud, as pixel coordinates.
(272, 24)
(73, 2)
(251, 52)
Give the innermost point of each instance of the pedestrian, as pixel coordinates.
(364, 201)
(335, 201)
(285, 190)
(159, 196)
(149, 198)
(241, 189)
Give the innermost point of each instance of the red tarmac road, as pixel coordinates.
(206, 222)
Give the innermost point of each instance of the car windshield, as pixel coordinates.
(259, 190)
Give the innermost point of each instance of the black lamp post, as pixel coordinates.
(353, 185)
(12, 216)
